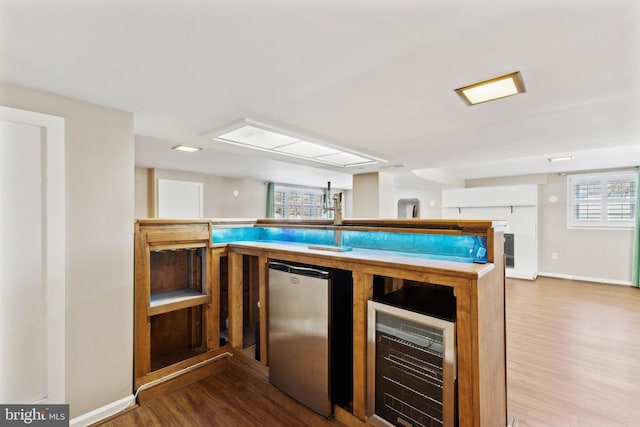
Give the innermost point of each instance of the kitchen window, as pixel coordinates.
(298, 202)
(606, 200)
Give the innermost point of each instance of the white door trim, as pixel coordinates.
(54, 242)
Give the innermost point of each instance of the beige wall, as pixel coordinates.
(99, 170)
(604, 254)
(426, 198)
(142, 194)
(251, 201)
(219, 198)
(595, 254)
(365, 196)
(373, 196)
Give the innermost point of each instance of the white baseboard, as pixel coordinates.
(515, 274)
(103, 412)
(586, 278)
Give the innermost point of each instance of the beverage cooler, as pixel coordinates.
(411, 368)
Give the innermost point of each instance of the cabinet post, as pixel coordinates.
(362, 292)
(467, 357)
(235, 300)
(142, 325)
(262, 284)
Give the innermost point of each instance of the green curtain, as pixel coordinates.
(635, 280)
(271, 204)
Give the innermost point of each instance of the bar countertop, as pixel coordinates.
(394, 259)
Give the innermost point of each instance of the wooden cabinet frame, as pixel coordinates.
(174, 235)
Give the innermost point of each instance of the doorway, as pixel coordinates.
(408, 208)
(32, 257)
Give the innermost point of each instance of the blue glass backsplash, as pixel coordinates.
(309, 236)
(226, 235)
(462, 248)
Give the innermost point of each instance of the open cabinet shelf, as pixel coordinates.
(175, 300)
(172, 295)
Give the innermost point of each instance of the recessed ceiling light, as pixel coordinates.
(250, 134)
(186, 148)
(489, 90)
(560, 159)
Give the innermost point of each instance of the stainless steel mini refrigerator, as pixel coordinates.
(304, 361)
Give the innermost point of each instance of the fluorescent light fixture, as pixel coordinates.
(560, 159)
(489, 90)
(186, 148)
(256, 136)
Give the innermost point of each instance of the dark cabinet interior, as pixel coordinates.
(509, 246)
(250, 307)
(224, 300)
(176, 336)
(422, 297)
(177, 269)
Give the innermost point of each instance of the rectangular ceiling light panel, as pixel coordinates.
(251, 136)
(306, 149)
(256, 137)
(489, 90)
(346, 159)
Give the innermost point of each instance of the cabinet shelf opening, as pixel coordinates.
(177, 270)
(176, 336)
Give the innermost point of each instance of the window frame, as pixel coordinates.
(602, 200)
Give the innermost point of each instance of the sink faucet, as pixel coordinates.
(337, 218)
(337, 222)
(337, 209)
(337, 214)
(337, 205)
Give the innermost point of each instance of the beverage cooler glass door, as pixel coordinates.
(410, 368)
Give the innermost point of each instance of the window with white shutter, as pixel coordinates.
(298, 202)
(602, 200)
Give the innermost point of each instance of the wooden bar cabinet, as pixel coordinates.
(173, 297)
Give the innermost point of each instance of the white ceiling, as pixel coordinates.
(371, 76)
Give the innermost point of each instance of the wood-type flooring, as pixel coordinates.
(573, 360)
(573, 353)
(235, 396)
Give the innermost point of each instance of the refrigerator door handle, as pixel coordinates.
(295, 269)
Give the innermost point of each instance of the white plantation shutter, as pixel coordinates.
(602, 200)
(298, 202)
